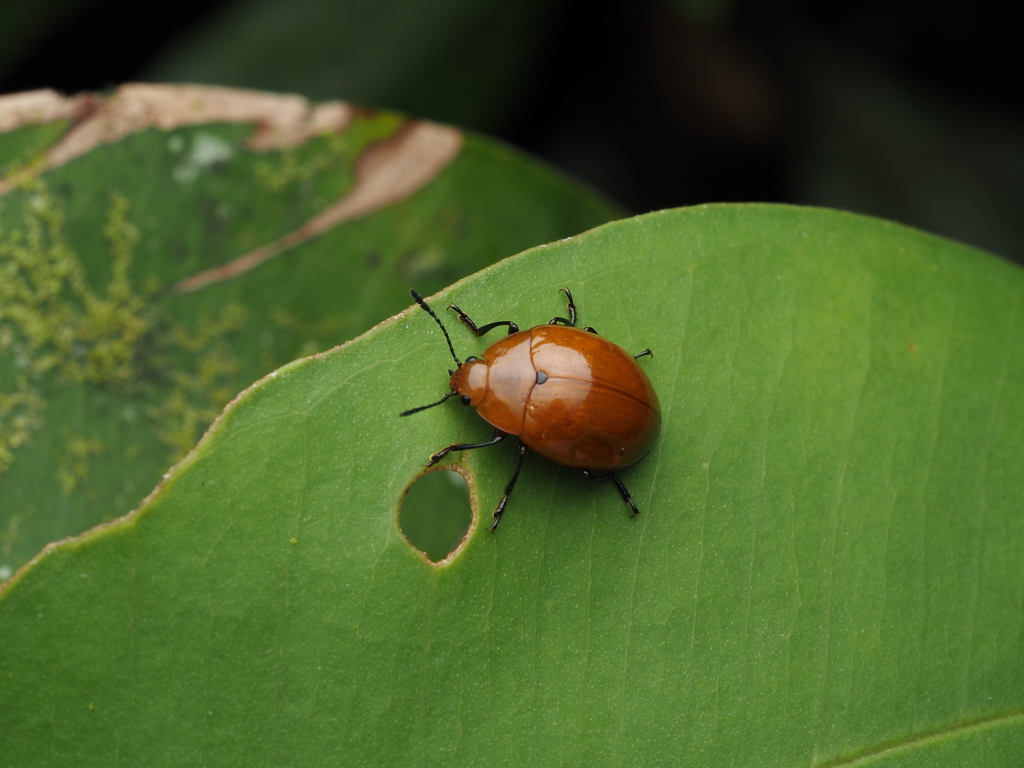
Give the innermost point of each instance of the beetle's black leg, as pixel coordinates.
(646, 352)
(625, 493)
(588, 329)
(571, 322)
(466, 321)
(498, 437)
(622, 488)
(500, 510)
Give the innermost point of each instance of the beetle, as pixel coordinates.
(570, 395)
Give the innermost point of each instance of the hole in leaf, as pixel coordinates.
(436, 513)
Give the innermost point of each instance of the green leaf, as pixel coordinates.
(826, 569)
(22, 145)
(149, 274)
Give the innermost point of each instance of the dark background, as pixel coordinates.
(887, 108)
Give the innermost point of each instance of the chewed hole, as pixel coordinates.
(436, 513)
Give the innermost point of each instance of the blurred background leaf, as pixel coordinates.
(890, 108)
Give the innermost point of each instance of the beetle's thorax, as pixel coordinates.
(499, 383)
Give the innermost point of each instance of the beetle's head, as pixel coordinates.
(470, 381)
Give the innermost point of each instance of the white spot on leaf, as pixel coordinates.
(206, 151)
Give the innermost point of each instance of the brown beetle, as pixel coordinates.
(571, 396)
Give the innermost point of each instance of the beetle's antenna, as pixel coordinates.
(422, 303)
(424, 407)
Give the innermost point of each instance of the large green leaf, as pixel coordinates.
(826, 569)
(133, 302)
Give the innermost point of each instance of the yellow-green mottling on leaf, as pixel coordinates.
(59, 332)
(52, 323)
(73, 466)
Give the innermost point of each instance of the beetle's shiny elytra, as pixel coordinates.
(568, 394)
(571, 396)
